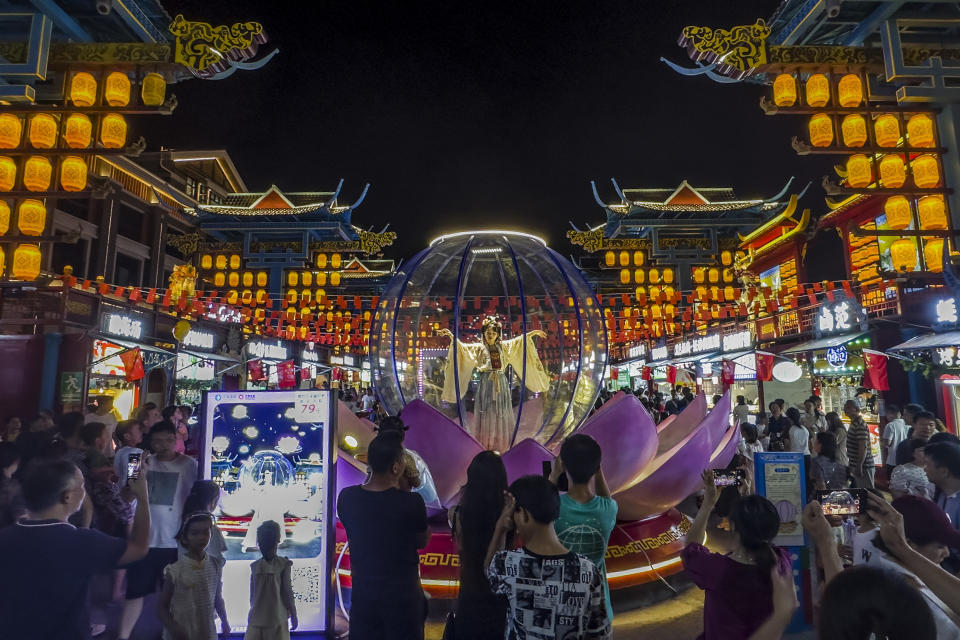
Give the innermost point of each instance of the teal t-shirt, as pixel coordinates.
(585, 529)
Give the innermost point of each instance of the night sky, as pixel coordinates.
(483, 115)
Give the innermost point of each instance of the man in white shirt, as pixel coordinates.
(368, 401)
(741, 412)
(894, 433)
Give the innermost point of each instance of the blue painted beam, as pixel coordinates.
(134, 17)
(871, 23)
(63, 21)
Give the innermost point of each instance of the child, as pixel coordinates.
(749, 441)
(204, 497)
(192, 587)
(271, 591)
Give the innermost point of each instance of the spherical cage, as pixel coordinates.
(536, 373)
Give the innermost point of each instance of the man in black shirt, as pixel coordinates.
(385, 527)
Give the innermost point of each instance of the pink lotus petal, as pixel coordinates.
(445, 447)
(628, 438)
(349, 424)
(525, 458)
(725, 450)
(719, 427)
(683, 424)
(665, 423)
(350, 472)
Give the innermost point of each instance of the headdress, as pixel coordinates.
(492, 321)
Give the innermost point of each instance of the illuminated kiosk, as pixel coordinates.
(432, 365)
(272, 453)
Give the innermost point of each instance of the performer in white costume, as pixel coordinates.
(493, 418)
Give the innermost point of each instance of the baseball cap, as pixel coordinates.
(924, 522)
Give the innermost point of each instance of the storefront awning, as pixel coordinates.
(204, 355)
(691, 359)
(127, 344)
(824, 343)
(728, 356)
(929, 341)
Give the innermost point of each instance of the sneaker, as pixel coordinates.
(97, 630)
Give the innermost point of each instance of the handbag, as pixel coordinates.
(449, 631)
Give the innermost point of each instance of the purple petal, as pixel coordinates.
(525, 458)
(626, 435)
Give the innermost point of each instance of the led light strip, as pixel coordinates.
(487, 232)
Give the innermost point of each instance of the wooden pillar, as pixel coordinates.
(158, 221)
(105, 261)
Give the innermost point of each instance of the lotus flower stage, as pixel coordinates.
(649, 468)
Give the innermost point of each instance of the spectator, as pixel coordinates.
(738, 598)
(943, 469)
(480, 614)
(149, 415)
(741, 412)
(778, 428)
(193, 586)
(798, 434)
(894, 433)
(861, 464)
(910, 413)
(36, 440)
(91, 436)
(204, 497)
(11, 429)
(172, 415)
(911, 478)
(47, 564)
(944, 436)
(839, 430)
(587, 512)
(552, 592)
(68, 429)
(104, 415)
(385, 527)
(924, 426)
(11, 496)
(825, 472)
(763, 429)
(813, 419)
(749, 441)
(271, 590)
(171, 475)
(129, 435)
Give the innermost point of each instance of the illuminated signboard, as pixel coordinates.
(837, 356)
(122, 325)
(945, 314)
(659, 353)
(223, 313)
(638, 351)
(193, 368)
(199, 339)
(267, 351)
(738, 341)
(697, 345)
(840, 317)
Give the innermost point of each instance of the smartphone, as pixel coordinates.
(724, 478)
(562, 483)
(842, 502)
(133, 465)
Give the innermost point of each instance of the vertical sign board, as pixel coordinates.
(781, 478)
(273, 453)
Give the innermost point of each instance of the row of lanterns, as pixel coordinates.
(27, 260)
(653, 276)
(116, 89)
(886, 127)
(77, 131)
(849, 91)
(903, 254)
(931, 211)
(893, 171)
(623, 258)
(221, 261)
(38, 172)
(31, 217)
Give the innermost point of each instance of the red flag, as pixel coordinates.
(134, 295)
(166, 299)
(728, 368)
(255, 370)
(671, 374)
(876, 370)
(132, 364)
(286, 375)
(151, 296)
(645, 373)
(764, 366)
(103, 288)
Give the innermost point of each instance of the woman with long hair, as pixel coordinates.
(825, 471)
(839, 430)
(480, 613)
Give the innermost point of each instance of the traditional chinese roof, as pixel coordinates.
(276, 206)
(776, 232)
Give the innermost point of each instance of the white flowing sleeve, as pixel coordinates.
(535, 376)
(467, 361)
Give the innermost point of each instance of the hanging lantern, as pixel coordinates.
(821, 130)
(232, 296)
(728, 275)
(221, 261)
(43, 131)
(335, 261)
(903, 254)
(233, 279)
(785, 90)
(77, 131)
(31, 217)
(639, 291)
(306, 278)
(887, 130)
(8, 173)
(854, 129)
(920, 131)
(235, 261)
(83, 89)
(926, 171)
(893, 173)
(850, 90)
(624, 258)
(933, 212)
(933, 254)
(624, 276)
(261, 296)
(322, 260)
(321, 279)
(818, 90)
(897, 210)
(638, 258)
(261, 278)
(638, 276)
(153, 89)
(36, 173)
(113, 131)
(4, 222)
(73, 174)
(701, 293)
(206, 261)
(667, 276)
(859, 172)
(26, 262)
(247, 279)
(117, 89)
(713, 275)
(653, 276)
(293, 278)
(10, 130)
(726, 258)
(335, 279)
(219, 279)
(699, 275)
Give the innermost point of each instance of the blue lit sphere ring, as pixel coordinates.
(837, 356)
(538, 371)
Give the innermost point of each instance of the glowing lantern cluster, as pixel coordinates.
(43, 131)
(920, 131)
(73, 174)
(903, 254)
(11, 128)
(897, 210)
(78, 131)
(36, 173)
(785, 90)
(850, 90)
(933, 212)
(887, 130)
(153, 90)
(893, 173)
(821, 130)
(859, 171)
(4, 221)
(31, 217)
(83, 89)
(113, 131)
(818, 90)
(116, 89)
(854, 129)
(926, 171)
(8, 173)
(26, 262)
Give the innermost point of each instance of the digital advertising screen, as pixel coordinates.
(272, 454)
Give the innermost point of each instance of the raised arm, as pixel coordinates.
(504, 526)
(698, 530)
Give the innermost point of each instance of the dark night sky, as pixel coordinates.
(483, 115)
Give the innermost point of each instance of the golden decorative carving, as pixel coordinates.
(183, 282)
(203, 47)
(187, 243)
(590, 240)
(373, 243)
(742, 47)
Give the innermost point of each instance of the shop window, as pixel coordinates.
(191, 188)
(130, 223)
(129, 272)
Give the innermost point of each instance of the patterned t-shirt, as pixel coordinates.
(551, 597)
(858, 434)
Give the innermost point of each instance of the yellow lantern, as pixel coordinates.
(903, 254)
(292, 296)
(859, 172)
(4, 221)
(699, 275)
(335, 279)
(83, 89)
(667, 276)
(293, 278)
(785, 90)
(206, 261)
(26, 262)
(933, 254)
(335, 261)
(10, 130)
(261, 296)
(933, 212)
(232, 296)
(77, 131)
(638, 258)
(850, 90)
(726, 258)
(219, 279)
(821, 130)
(73, 174)
(920, 131)
(893, 173)
(246, 296)
(624, 276)
(624, 258)
(854, 129)
(153, 89)
(221, 261)
(728, 275)
(261, 278)
(653, 276)
(306, 278)
(926, 171)
(713, 275)
(897, 210)
(322, 260)
(638, 276)
(117, 89)
(640, 291)
(31, 217)
(701, 293)
(113, 131)
(233, 279)
(887, 130)
(8, 173)
(654, 292)
(247, 279)
(321, 279)
(728, 293)
(818, 90)
(36, 173)
(235, 261)
(43, 131)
